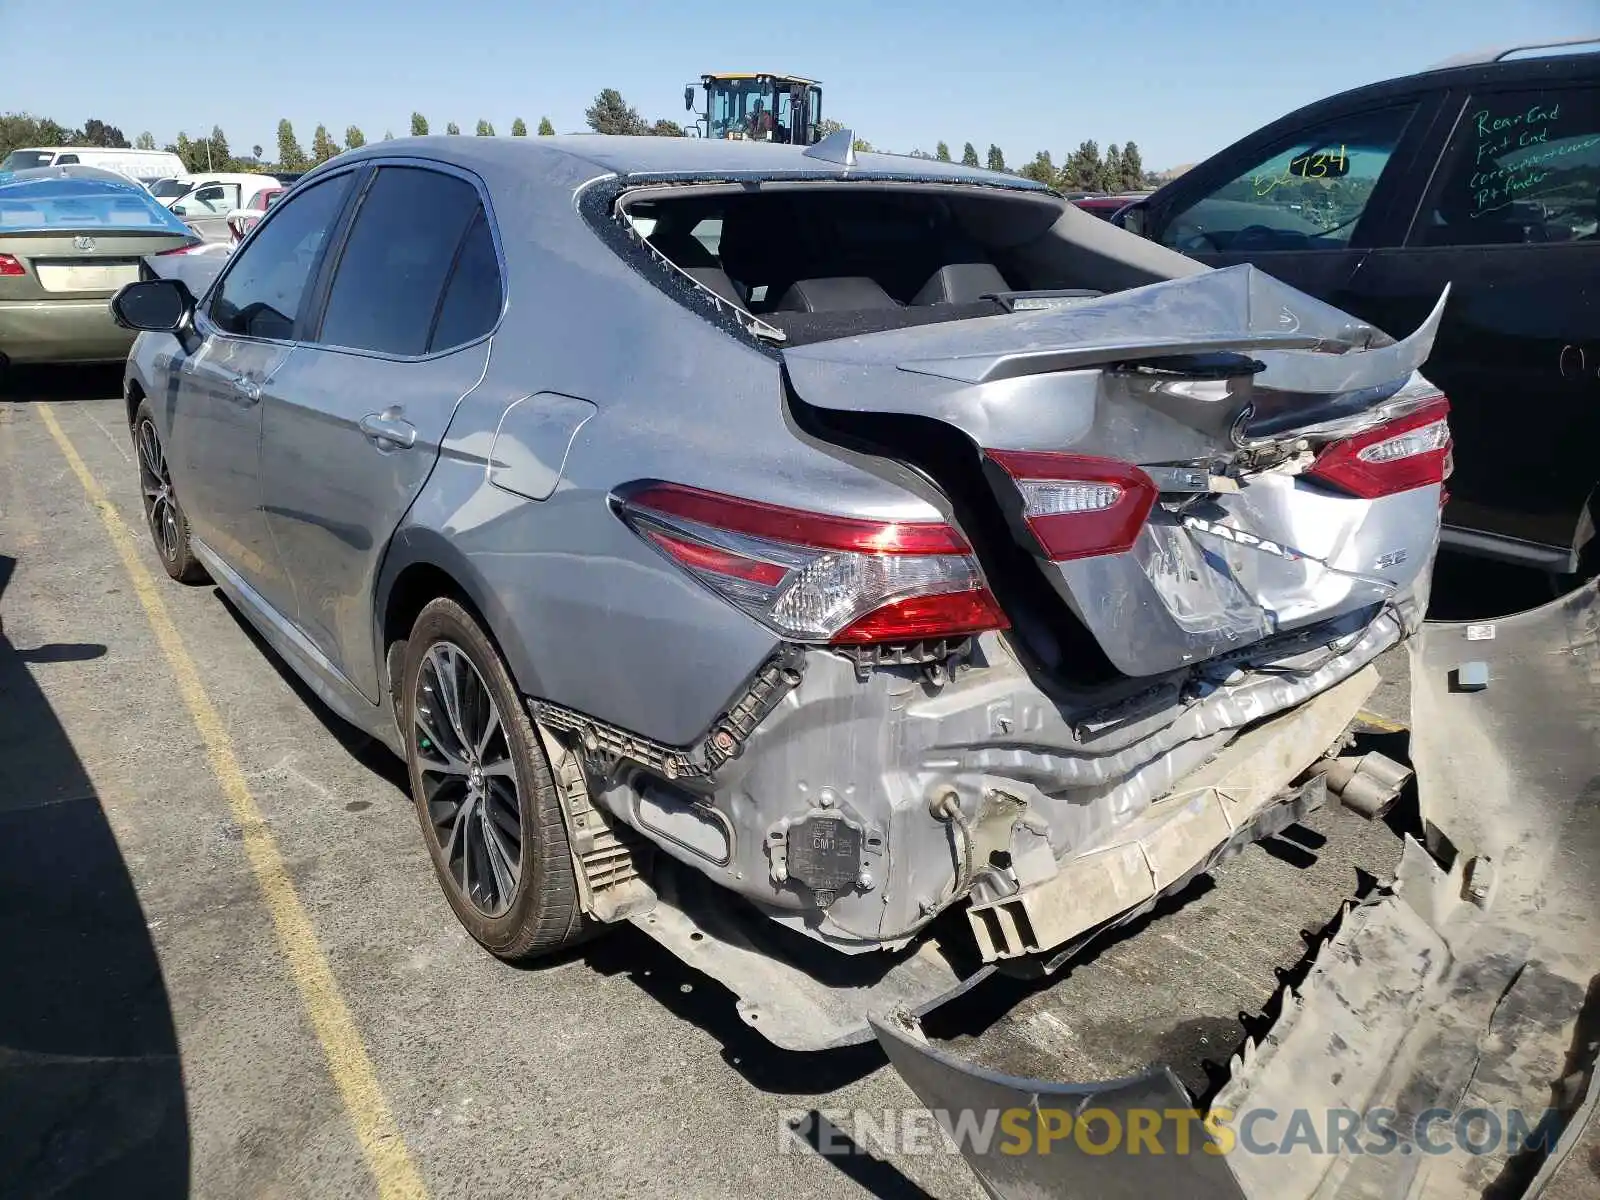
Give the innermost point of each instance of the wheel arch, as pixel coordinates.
(133, 395)
(421, 566)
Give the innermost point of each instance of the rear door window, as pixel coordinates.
(402, 246)
(472, 298)
(1308, 193)
(1521, 167)
(261, 294)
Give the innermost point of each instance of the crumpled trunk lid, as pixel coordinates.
(1222, 386)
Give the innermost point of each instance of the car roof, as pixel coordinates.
(1474, 68)
(698, 157)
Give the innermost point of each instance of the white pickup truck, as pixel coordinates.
(206, 202)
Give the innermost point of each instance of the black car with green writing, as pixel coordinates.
(1483, 173)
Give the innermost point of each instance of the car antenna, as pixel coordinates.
(838, 147)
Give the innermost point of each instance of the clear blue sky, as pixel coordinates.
(1183, 78)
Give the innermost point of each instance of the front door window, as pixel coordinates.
(1309, 193)
(261, 293)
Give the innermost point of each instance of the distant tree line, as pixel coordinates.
(1119, 169)
(212, 152)
(1085, 169)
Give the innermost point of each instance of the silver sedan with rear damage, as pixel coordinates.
(861, 573)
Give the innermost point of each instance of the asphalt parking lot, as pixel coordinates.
(231, 973)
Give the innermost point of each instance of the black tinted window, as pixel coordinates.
(1521, 167)
(261, 294)
(472, 298)
(1308, 194)
(392, 272)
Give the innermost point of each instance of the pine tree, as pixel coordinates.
(1040, 170)
(997, 160)
(323, 147)
(186, 151)
(290, 156)
(545, 128)
(353, 138)
(452, 129)
(145, 141)
(942, 152)
(97, 133)
(969, 156)
(484, 129)
(1081, 172)
(221, 156)
(1132, 168)
(419, 125)
(610, 113)
(519, 128)
(388, 135)
(1111, 170)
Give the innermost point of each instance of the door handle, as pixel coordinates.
(246, 387)
(388, 430)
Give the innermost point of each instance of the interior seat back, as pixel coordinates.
(841, 293)
(961, 283)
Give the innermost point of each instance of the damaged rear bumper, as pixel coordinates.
(805, 996)
(1453, 1017)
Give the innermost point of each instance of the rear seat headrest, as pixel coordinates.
(843, 293)
(962, 283)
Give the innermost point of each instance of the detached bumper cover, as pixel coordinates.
(1472, 988)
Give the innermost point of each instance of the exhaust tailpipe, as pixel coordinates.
(1366, 783)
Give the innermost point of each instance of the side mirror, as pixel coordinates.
(179, 209)
(153, 305)
(688, 97)
(1135, 218)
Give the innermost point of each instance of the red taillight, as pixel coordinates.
(10, 266)
(920, 617)
(1408, 452)
(1079, 506)
(699, 557)
(194, 247)
(813, 577)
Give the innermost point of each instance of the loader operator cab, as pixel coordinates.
(757, 106)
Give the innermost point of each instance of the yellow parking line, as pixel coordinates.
(387, 1157)
(1380, 723)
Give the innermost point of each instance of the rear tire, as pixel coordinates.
(163, 515)
(484, 793)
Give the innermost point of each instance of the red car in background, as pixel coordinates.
(1106, 207)
(242, 220)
